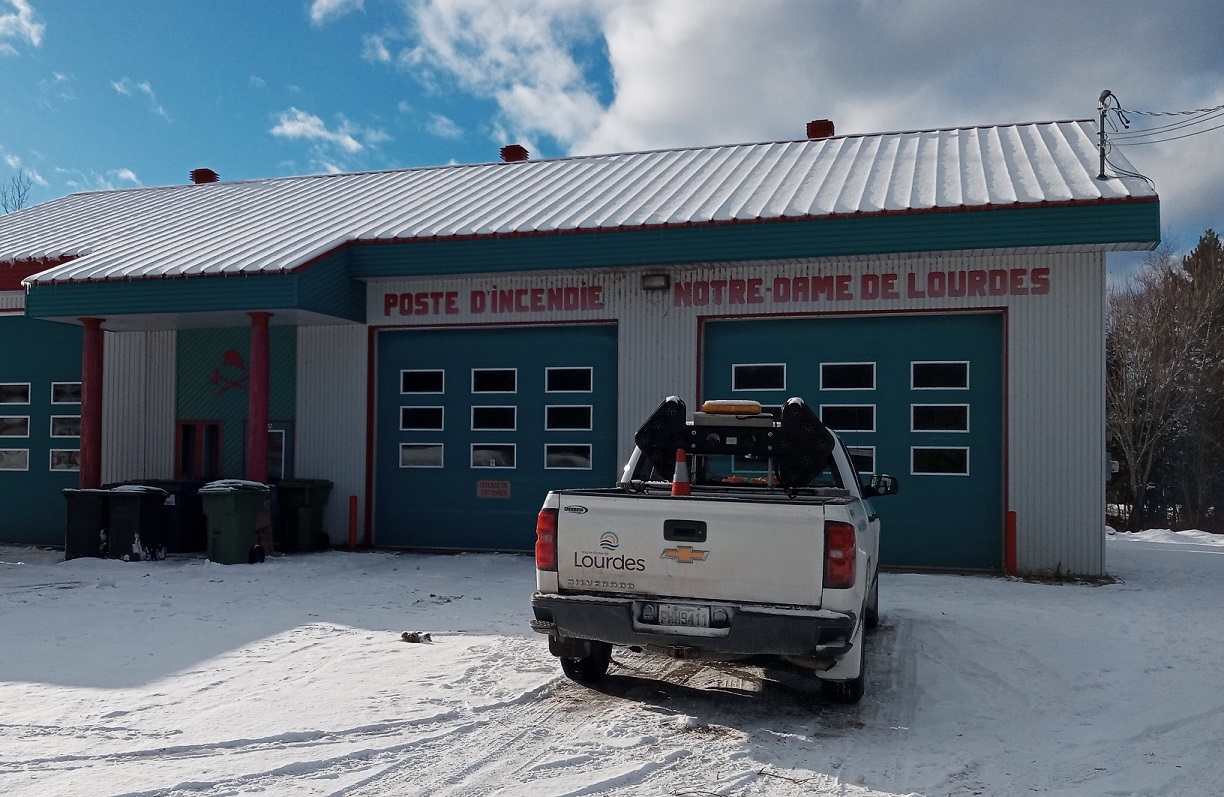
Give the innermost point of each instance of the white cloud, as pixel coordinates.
(297, 124)
(130, 88)
(374, 48)
(443, 126)
(19, 23)
(257, 82)
(324, 11)
(126, 175)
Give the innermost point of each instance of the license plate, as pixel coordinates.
(689, 616)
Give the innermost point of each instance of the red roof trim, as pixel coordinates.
(12, 272)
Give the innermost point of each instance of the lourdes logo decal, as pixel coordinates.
(609, 541)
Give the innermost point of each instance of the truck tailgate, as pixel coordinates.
(760, 551)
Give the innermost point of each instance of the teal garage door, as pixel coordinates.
(475, 426)
(920, 397)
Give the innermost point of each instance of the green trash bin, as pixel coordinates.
(235, 509)
(301, 503)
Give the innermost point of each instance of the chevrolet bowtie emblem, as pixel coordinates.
(684, 554)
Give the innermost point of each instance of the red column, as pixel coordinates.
(90, 475)
(257, 400)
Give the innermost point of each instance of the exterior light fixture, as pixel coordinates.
(655, 282)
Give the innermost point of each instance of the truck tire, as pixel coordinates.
(871, 610)
(591, 668)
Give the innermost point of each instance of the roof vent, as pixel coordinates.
(820, 128)
(512, 153)
(199, 176)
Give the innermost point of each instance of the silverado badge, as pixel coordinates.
(684, 554)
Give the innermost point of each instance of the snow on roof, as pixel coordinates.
(276, 225)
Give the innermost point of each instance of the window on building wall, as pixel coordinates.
(939, 461)
(431, 381)
(939, 417)
(276, 454)
(567, 456)
(848, 417)
(758, 376)
(65, 425)
(198, 450)
(847, 376)
(65, 459)
(421, 455)
(567, 417)
(14, 459)
(14, 392)
(939, 375)
(421, 419)
(568, 380)
(65, 392)
(494, 380)
(14, 425)
(497, 418)
(493, 455)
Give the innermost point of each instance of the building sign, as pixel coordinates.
(486, 488)
(495, 301)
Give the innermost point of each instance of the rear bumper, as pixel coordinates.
(743, 629)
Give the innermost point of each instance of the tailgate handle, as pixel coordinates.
(684, 530)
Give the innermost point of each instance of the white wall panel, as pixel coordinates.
(330, 433)
(138, 375)
(12, 301)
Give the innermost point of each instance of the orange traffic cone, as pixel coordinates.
(680, 480)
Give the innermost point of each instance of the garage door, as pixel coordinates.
(919, 397)
(474, 426)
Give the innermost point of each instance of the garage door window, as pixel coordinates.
(939, 375)
(494, 380)
(500, 418)
(14, 459)
(65, 425)
(420, 455)
(847, 376)
(943, 461)
(493, 455)
(758, 376)
(15, 393)
(848, 417)
(939, 417)
(421, 419)
(567, 456)
(65, 392)
(14, 425)
(567, 417)
(65, 459)
(422, 381)
(568, 380)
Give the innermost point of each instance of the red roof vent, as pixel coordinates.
(199, 176)
(820, 128)
(513, 153)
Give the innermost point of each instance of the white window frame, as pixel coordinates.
(422, 371)
(475, 428)
(940, 362)
(24, 451)
(29, 394)
(874, 417)
(835, 389)
(472, 454)
(589, 369)
(590, 456)
(590, 408)
(51, 460)
(735, 389)
(440, 428)
(914, 429)
(55, 385)
(441, 451)
(476, 392)
(25, 436)
(939, 448)
(51, 427)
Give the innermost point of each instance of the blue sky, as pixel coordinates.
(126, 93)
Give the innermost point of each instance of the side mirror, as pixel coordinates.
(880, 484)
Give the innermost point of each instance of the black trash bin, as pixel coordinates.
(136, 518)
(301, 503)
(85, 528)
(184, 527)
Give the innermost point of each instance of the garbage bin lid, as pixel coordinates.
(227, 485)
(138, 488)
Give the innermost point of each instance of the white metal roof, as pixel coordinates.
(275, 225)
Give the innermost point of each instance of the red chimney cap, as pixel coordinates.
(512, 153)
(820, 128)
(204, 176)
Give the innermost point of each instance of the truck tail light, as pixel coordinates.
(841, 555)
(546, 540)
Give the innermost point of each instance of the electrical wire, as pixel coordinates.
(1159, 133)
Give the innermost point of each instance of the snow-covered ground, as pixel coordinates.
(291, 678)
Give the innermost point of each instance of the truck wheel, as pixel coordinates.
(848, 692)
(591, 668)
(871, 611)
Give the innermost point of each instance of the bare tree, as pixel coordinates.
(16, 192)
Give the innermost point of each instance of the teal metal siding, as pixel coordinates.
(212, 377)
(943, 521)
(37, 353)
(443, 507)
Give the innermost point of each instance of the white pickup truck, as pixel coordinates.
(765, 552)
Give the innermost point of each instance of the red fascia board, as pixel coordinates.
(12, 272)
